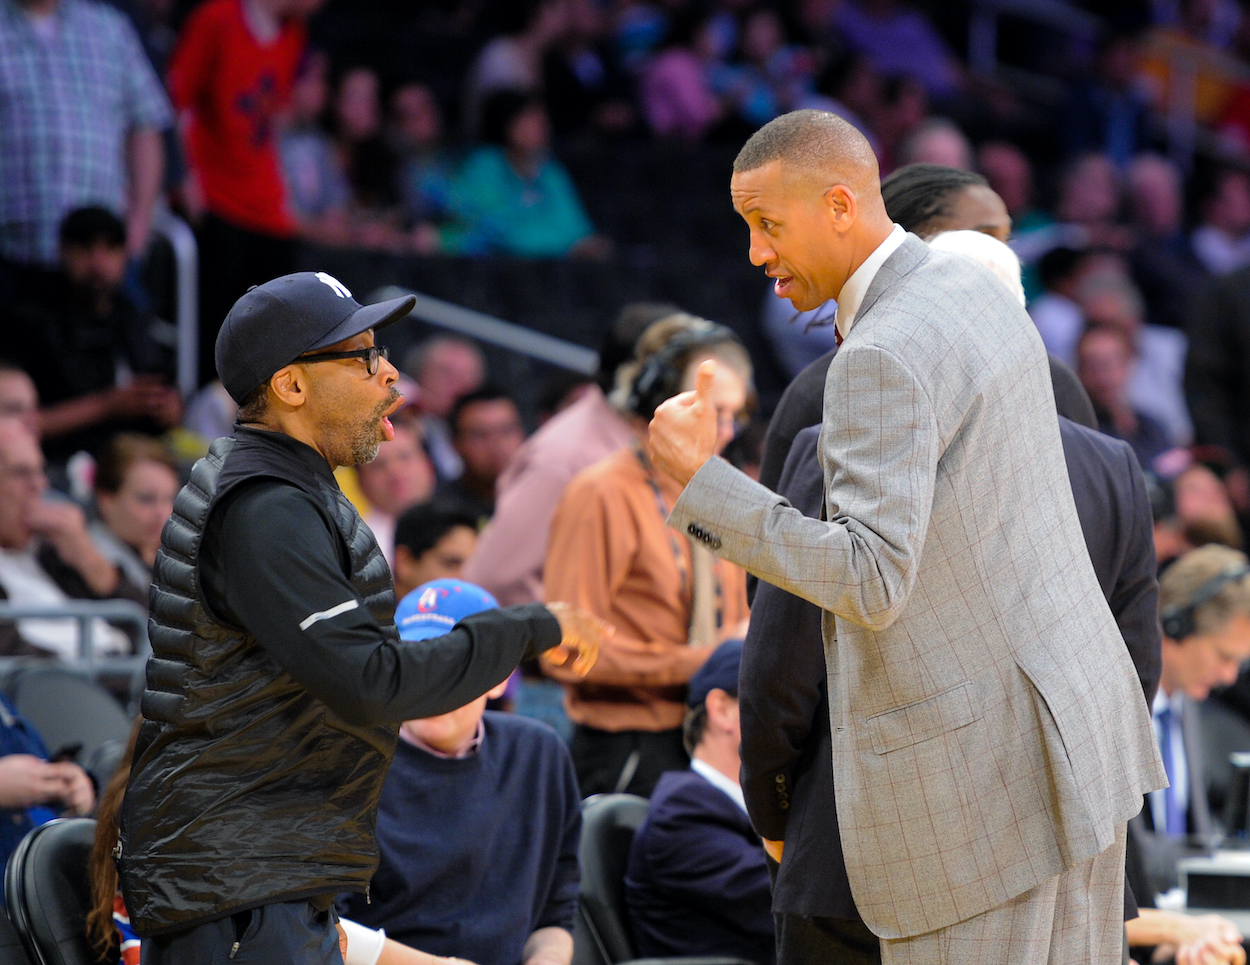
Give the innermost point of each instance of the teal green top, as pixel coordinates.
(496, 210)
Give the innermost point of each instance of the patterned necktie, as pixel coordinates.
(837, 336)
(1175, 822)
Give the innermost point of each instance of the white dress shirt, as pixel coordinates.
(856, 287)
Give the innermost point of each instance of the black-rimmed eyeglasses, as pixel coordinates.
(369, 356)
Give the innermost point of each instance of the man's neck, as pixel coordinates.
(724, 760)
(869, 238)
(297, 431)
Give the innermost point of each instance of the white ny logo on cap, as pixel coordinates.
(339, 288)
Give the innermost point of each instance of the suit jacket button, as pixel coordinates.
(783, 805)
(693, 529)
(780, 779)
(714, 542)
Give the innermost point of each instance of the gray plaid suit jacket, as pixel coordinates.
(988, 727)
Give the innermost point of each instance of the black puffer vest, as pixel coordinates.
(246, 789)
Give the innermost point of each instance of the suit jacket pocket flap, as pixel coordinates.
(925, 719)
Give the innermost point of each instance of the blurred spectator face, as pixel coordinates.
(450, 370)
(443, 561)
(762, 37)
(1111, 309)
(1105, 364)
(312, 89)
(19, 400)
(487, 435)
(400, 476)
(1198, 664)
(137, 512)
(975, 208)
(357, 109)
(1201, 498)
(1229, 209)
(729, 396)
(1155, 195)
(98, 268)
(448, 733)
(1090, 193)
(938, 143)
(1008, 170)
(530, 131)
(418, 120)
(22, 483)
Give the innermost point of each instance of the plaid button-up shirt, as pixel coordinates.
(66, 107)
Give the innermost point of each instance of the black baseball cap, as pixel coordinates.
(720, 670)
(275, 323)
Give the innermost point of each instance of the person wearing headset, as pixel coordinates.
(1204, 602)
(611, 552)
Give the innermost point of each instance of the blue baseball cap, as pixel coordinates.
(434, 608)
(720, 670)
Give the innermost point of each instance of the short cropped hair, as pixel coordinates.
(420, 527)
(83, 227)
(808, 139)
(921, 193)
(1183, 578)
(693, 727)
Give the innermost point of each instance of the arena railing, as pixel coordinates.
(124, 614)
(495, 331)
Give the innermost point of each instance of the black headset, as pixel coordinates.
(1178, 619)
(660, 376)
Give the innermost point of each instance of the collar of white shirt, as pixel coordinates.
(856, 287)
(720, 782)
(1163, 702)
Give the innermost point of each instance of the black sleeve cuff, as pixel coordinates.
(545, 628)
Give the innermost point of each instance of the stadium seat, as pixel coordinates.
(66, 708)
(12, 952)
(47, 892)
(601, 934)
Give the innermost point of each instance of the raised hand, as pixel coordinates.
(683, 432)
(581, 637)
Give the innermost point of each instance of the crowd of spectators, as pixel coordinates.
(270, 137)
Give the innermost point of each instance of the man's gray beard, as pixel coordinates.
(364, 451)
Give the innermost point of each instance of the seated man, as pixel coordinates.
(432, 542)
(47, 557)
(1204, 601)
(486, 431)
(34, 790)
(697, 882)
(76, 334)
(478, 825)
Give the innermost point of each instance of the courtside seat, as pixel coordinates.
(48, 893)
(602, 934)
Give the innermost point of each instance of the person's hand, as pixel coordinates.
(61, 523)
(77, 796)
(774, 849)
(25, 781)
(1208, 940)
(581, 635)
(64, 526)
(145, 397)
(342, 940)
(683, 432)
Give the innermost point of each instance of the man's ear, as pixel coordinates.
(842, 206)
(290, 385)
(497, 691)
(718, 703)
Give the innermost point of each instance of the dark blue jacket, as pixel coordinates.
(697, 882)
(19, 737)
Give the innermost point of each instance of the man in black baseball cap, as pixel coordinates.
(277, 679)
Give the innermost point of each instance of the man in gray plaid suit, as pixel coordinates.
(989, 737)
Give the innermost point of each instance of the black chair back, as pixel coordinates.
(47, 892)
(67, 707)
(608, 825)
(12, 952)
